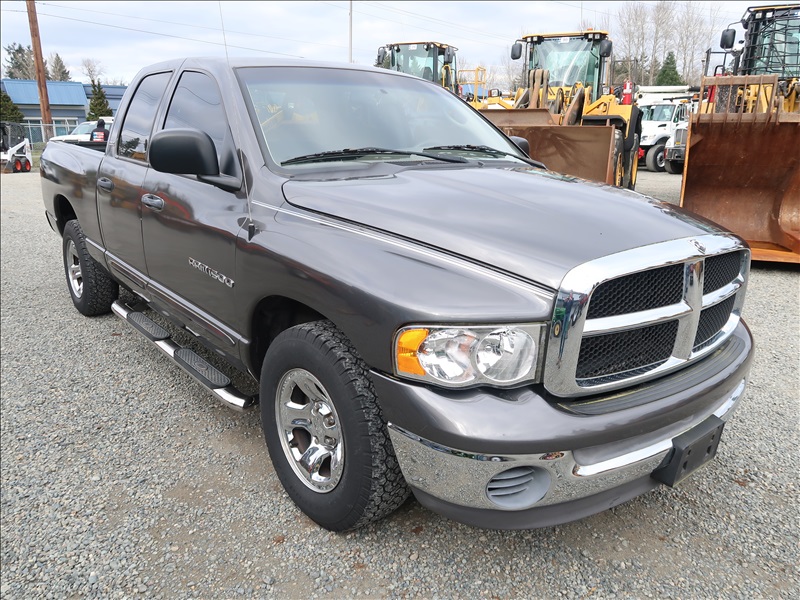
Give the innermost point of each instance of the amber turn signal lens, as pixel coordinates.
(408, 342)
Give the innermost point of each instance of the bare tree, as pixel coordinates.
(661, 29)
(632, 29)
(92, 69)
(510, 73)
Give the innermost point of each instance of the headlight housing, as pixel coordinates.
(463, 356)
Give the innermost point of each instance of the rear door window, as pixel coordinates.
(141, 115)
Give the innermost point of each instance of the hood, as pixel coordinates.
(534, 224)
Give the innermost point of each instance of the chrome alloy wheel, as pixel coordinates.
(309, 430)
(74, 270)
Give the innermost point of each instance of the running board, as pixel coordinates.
(202, 371)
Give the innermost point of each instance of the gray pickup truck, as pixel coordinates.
(424, 307)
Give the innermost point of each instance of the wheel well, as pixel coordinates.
(64, 213)
(272, 316)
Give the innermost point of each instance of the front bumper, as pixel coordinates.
(675, 154)
(455, 450)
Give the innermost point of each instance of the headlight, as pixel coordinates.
(501, 355)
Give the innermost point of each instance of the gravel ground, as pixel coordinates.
(122, 478)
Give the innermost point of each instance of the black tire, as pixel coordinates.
(355, 478)
(673, 167)
(632, 164)
(26, 166)
(619, 159)
(17, 165)
(90, 286)
(655, 158)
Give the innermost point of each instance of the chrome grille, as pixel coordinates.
(616, 354)
(712, 319)
(655, 288)
(680, 136)
(626, 318)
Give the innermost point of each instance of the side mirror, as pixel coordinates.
(190, 152)
(449, 55)
(605, 48)
(381, 56)
(727, 39)
(516, 51)
(521, 143)
(183, 151)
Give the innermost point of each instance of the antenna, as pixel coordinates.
(237, 130)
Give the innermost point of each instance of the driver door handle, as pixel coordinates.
(104, 183)
(153, 201)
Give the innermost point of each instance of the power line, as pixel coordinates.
(160, 34)
(205, 27)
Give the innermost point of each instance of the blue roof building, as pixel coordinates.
(69, 103)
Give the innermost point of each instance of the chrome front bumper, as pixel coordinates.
(462, 478)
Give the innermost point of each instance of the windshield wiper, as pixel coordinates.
(487, 150)
(355, 153)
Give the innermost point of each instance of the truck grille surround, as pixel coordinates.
(680, 136)
(634, 316)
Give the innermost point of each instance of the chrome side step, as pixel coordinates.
(202, 371)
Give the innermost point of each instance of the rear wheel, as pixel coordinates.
(632, 164)
(26, 166)
(90, 286)
(655, 158)
(17, 165)
(673, 167)
(325, 431)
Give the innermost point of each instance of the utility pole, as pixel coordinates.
(41, 76)
(350, 55)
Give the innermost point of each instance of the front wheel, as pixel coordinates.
(325, 431)
(655, 158)
(90, 286)
(673, 167)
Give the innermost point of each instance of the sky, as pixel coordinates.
(122, 37)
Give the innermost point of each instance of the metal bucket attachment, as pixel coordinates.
(743, 172)
(585, 152)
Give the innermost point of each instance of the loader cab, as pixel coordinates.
(771, 41)
(432, 61)
(570, 58)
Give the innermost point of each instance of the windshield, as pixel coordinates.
(773, 47)
(307, 111)
(569, 61)
(415, 59)
(658, 112)
(83, 128)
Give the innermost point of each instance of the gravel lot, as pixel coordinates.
(122, 477)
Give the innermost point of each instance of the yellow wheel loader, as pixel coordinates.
(742, 166)
(572, 122)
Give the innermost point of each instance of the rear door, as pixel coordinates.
(189, 226)
(120, 178)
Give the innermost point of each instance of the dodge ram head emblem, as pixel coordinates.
(699, 246)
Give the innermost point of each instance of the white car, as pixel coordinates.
(83, 132)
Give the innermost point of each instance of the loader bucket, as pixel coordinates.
(585, 152)
(743, 172)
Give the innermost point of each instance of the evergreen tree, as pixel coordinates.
(57, 70)
(19, 62)
(9, 112)
(668, 75)
(98, 105)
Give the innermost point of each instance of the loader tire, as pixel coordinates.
(631, 164)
